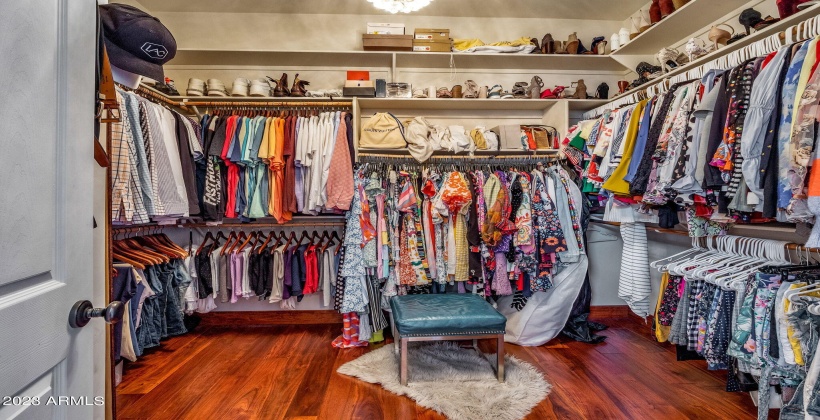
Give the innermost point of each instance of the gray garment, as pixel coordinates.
(705, 112)
(221, 272)
(677, 331)
(167, 200)
(688, 184)
(573, 252)
(143, 174)
(761, 107)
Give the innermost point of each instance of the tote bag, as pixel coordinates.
(382, 131)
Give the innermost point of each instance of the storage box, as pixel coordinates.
(509, 136)
(432, 34)
(360, 83)
(385, 28)
(431, 46)
(399, 90)
(387, 42)
(358, 75)
(368, 92)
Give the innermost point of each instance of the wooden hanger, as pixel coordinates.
(239, 240)
(208, 237)
(329, 241)
(339, 246)
(135, 248)
(228, 241)
(301, 238)
(247, 240)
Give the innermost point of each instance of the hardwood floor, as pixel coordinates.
(289, 372)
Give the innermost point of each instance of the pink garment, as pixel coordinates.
(501, 283)
(339, 181)
(237, 265)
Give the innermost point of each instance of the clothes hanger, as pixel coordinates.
(208, 236)
(138, 248)
(232, 237)
(301, 238)
(240, 238)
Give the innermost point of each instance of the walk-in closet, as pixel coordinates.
(401, 209)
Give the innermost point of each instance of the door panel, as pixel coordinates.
(46, 193)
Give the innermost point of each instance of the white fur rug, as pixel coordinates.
(456, 382)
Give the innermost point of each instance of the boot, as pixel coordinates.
(573, 43)
(457, 92)
(299, 87)
(580, 91)
(655, 12)
(667, 7)
(547, 44)
(281, 88)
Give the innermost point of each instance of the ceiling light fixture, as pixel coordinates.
(400, 6)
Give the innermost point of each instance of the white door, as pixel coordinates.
(46, 192)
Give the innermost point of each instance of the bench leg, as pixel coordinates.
(403, 363)
(475, 346)
(395, 334)
(500, 355)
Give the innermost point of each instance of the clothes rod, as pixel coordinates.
(279, 104)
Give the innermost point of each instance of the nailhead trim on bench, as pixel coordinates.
(453, 334)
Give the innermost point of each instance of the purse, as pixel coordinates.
(382, 131)
(543, 136)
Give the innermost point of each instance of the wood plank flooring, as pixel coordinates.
(289, 372)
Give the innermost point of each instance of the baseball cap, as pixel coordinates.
(136, 41)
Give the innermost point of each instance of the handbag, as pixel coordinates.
(382, 131)
(543, 137)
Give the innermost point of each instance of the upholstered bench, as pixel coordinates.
(439, 317)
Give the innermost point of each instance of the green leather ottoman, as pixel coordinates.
(439, 317)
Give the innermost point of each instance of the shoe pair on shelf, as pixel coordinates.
(572, 45)
(281, 86)
(241, 87)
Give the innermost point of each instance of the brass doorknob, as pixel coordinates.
(83, 311)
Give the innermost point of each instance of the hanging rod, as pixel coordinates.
(281, 104)
(262, 225)
(156, 96)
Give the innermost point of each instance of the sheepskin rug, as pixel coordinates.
(456, 382)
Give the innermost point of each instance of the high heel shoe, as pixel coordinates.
(537, 49)
(580, 90)
(535, 86)
(644, 21)
(667, 57)
(719, 36)
(573, 43)
(471, 89)
(456, 92)
(299, 87)
(695, 50)
(547, 44)
(521, 90)
(560, 47)
(598, 45)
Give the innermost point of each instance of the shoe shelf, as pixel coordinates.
(476, 104)
(692, 17)
(579, 62)
(728, 49)
(393, 60)
(478, 153)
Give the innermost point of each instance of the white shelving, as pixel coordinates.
(691, 17)
(386, 59)
(757, 36)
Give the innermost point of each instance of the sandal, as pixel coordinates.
(548, 94)
(507, 95)
(535, 86)
(558, 92)
(443, 92)
(667, 57)
(483, 92)
(547, 44)
(420, 93)
(520, 90)
(537, 49)
(495, 92)
(471, 90)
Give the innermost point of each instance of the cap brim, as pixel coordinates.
(128, 62)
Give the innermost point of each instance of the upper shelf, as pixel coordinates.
(688, 19)
(384, 59)
(509, 61)
(476, 104)
(744, 42)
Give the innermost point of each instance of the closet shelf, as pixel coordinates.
(691, 17)
(588, 63)
(385, 59)
(723, 51)
(403, 152)
(476, 104)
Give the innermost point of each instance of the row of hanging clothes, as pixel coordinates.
(233, 162)
(735, 146)
(747, 307)
(492, 227)
(161, 282)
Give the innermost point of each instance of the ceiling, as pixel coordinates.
(555, 9)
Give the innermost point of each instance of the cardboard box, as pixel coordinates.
(385, 28)
(432, 46)
(432, 34)
(509, 136)
(387, 42)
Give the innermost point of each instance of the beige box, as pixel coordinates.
(432, 34)
(509, 136)
(387, 42)
(431, 46)
(385, 28)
